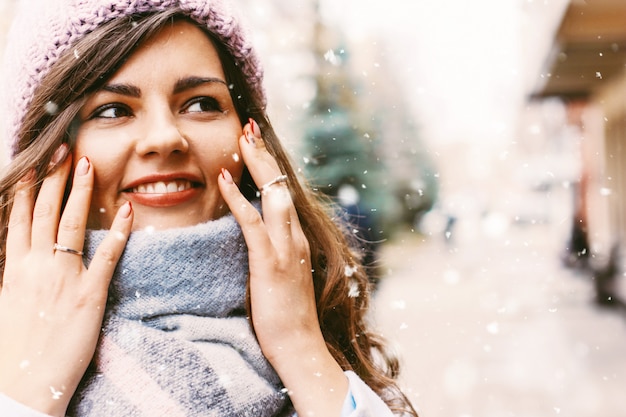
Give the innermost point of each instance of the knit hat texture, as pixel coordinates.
(44, 29)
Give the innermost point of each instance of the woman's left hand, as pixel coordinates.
(283, 305)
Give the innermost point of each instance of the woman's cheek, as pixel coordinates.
(236, 169)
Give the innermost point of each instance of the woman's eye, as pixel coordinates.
(202, 104)
(111, 111)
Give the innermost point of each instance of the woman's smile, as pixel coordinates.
(163, 191)
(162, 187)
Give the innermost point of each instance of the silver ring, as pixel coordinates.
(279, 179)
(68, 250)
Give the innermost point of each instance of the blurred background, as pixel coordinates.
(478, 147)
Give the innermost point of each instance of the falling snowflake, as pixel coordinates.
(52, 108)
(56, 394)
(493, 328)
(353, 289)
(332, 58)
(349, 270)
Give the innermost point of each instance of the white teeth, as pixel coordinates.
(162, 187)
(172, 187)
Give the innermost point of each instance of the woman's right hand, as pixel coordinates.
(51, 305)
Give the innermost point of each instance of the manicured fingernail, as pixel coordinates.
(256, 130)
(83, 166)
(59, 155)
(126, 209)
(250, 138)
(226, 176)
(30, 175)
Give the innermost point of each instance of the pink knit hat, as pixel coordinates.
(42, 32)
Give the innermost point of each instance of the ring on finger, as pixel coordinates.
(66, 249)
(279, 179)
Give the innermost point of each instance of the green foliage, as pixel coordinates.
(364, 137)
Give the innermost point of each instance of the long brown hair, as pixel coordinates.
(342, 297)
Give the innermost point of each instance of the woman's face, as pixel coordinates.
(159, 132)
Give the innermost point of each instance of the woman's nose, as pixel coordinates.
(161, 136)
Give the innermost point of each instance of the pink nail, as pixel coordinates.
(30, 175)
(250, 138)
(83, 166)
(59, 154)
(126, 209)
(256, 130)
(226, 176)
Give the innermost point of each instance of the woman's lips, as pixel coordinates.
(163, 193)
(162, 187)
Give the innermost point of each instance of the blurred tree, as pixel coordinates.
(361, 136)
(341, 154)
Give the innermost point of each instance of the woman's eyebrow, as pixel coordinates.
(123, 89)
(180, 86)
(192, 82)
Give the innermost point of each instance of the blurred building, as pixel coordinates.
(585, 71)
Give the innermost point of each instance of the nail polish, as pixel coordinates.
(30, 175)
(254, 126)
(59, 154)
(126, 209)
(250, 137)
(83, 166)
(226, 176)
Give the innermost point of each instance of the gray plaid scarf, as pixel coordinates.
(176, 341)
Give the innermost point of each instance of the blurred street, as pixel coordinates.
(495, 327)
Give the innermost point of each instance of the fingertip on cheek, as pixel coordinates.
(226, 176)
(250, 139)
(125, 210)
(29, 177)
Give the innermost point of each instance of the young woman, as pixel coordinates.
(161, 257)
